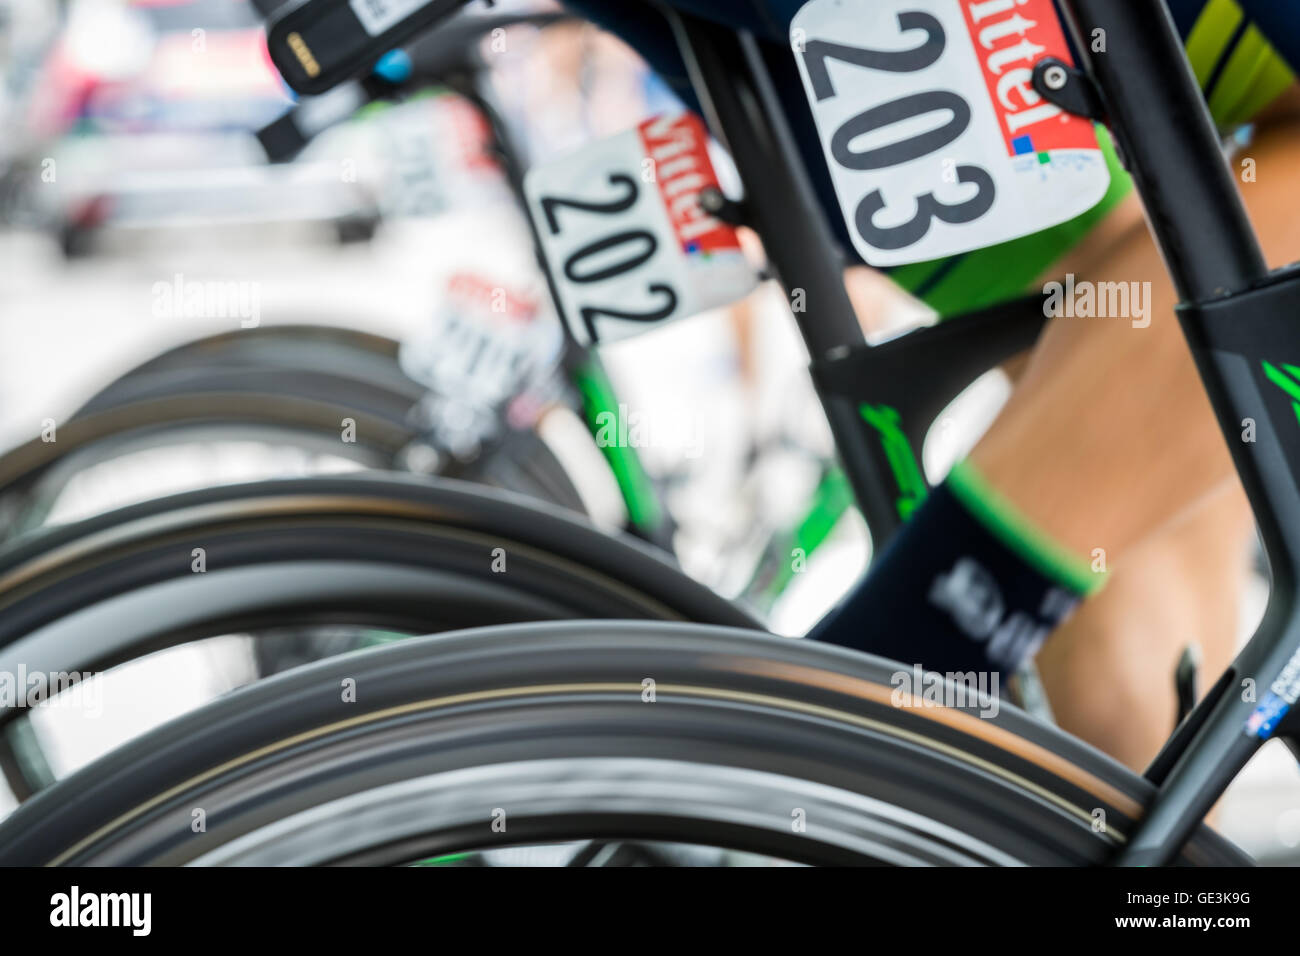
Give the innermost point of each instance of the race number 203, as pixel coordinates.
(936, 140)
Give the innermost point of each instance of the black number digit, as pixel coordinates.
(604, 245)
(886, 114)
(589, 313)
(927, 209)
(817, 52)
(649, 245)
(550, 203)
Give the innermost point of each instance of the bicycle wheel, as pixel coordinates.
(298, 389)
(343, 351)
(542, 734)
(383, 549)
(383, 552)
(521, 462)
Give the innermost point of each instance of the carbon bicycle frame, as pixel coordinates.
(1239, 319)
(875, 387)
(862, 385)
(450, 59)
(1241, 323)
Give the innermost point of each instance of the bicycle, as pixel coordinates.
(781, 701)
(948, 357)
(308, 567)
(298, 384)
(293, 386)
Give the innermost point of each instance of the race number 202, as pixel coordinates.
(627, 244)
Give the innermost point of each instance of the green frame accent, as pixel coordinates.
(832, 498)
(644, 509)
(912, 488)
(1289, 385)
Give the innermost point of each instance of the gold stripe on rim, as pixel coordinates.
(614, 687)
(959, 720)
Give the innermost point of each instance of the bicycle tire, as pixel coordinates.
(78, 597)
(393, 552)
(332, 347)
(358, 357)
(548, 724)
(257, 385)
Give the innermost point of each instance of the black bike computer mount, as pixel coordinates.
(317, 44)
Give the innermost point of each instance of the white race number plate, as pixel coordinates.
(378, 15)
(936, 140)
(626, 243)
(485, 343)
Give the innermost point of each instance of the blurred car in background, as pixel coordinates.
(143, 116)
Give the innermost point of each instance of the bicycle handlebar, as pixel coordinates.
(318, 44)
(434, 57)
